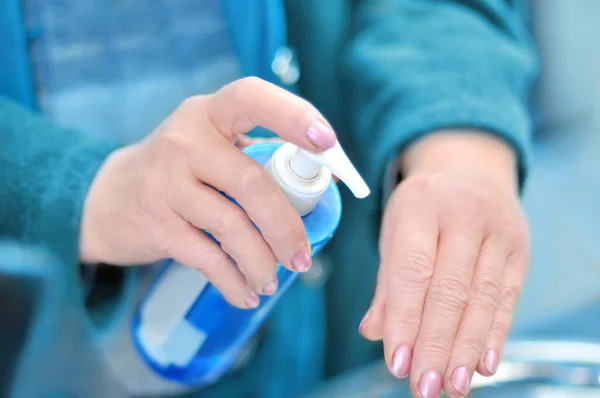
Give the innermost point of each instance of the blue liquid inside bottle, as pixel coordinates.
(184, 328)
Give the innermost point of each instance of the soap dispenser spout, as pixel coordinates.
(304, 176)
(336, 161)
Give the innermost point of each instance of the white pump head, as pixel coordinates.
(304, 176)
(307, 164)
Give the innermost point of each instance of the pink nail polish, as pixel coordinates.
(321, 136)
(430, 385)
(401, 362)
(301, 261)
(270, 288)
(252, 301)
(491, 361)
(363, 323)
(461, 380)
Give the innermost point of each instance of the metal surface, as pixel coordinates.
(560, 363)
(532, 369)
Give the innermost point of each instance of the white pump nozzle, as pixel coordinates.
(307, 164)
(304, 176)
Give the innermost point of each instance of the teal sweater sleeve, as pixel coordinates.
(45, 173)
(418, 66)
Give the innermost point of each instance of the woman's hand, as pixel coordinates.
(454, 253)
(152, 200)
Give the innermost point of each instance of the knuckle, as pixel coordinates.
(418, 267)
(191, 102)
(420, 184)
(409, 321)
(474, 196)
(250, 178)
(479, 197)
(471, 205)
(486, 293)
(283, 225)
(471, 346)
(437, 345)
(226, 221)
(238, 89)
(500, 330)
(212, 260)
(412, 190)
(510, 223)
(405, 318)
(510, 296)
(215, 227)
(250, 81)
(521, 235)
(451, 292)
(163, 153)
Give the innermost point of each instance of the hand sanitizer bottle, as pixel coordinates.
(184, 328)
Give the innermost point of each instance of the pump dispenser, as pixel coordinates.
(184, 328)
(303, 176)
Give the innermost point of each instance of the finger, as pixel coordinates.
(447, 298)
(371, 326)
(477, 318)
(195, 249)
(514, 275)
(210, 211)
(244, 104)
(410, 261)
(226, 168)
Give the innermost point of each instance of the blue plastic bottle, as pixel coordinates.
(185, 330)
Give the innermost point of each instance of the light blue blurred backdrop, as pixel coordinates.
(562, 198)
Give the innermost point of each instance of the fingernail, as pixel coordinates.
(321, 136)
(430, 385)
(252, 301)
(490, 361)
(401, 362)
(461, 380)
(270, 288)
(363, 323)
(301, 261)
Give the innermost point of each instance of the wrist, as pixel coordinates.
(97, 211)
(477, 153)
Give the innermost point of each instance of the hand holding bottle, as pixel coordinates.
(151, 200)
(454, 253)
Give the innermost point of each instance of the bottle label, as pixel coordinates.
(167, 337)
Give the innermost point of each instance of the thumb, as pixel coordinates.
(244, 104)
